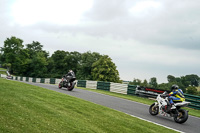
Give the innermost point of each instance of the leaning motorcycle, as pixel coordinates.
(67, 82)
(162, 106)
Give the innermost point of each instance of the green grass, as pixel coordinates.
(198, 88)
(147, 101)
(3, 71)
(27, 108)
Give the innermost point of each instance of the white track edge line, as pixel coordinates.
(155, 123)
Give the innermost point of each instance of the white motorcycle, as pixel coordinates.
(162, 106)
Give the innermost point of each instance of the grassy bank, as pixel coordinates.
(27, 108)
(192, 112)
(3, 71)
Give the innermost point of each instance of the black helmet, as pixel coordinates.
(174, 87)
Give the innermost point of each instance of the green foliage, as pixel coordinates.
(57, 63)
(136, 82)
(171, 78)
(72, 61)
(61, 62)
(11, 52)
(153, 82)
(145, 83)
(191, 90)
(105, 70)
(7, 65)
(35, 47)
(38, 65)
(86, 62)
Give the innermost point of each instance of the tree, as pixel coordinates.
(35, 47)
(0, 56)
(61, 62)
(7, 65)
(136, 82)
(191, 90)
(164, 86)
(153, 82)
(190, 80)
(58, 64)
(38, 65)
(11, 51)
(72, 61)
(85, 67)
(105, 70)
(145, 83)
(22, 63)
(171, 78)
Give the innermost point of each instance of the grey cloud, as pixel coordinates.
(176, 24)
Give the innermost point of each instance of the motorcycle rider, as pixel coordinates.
(69, 75)
(176, 94)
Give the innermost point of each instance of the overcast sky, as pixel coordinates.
(145, 38)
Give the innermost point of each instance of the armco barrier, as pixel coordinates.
(58, 81)
(118, 88)
(91, 84)
(3, 76)
(131, 89)
(52, 80)
(34, 80)
(195, 101)
(81, 83)
(42, 80)
(30, 79)
(103, 85)
(47, 81)
(38, 80)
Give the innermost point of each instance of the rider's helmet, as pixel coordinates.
(174, 87)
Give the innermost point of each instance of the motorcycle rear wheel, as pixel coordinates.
(71, 87)
(153, 109)
(181, 117)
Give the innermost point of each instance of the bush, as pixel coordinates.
(191, 90)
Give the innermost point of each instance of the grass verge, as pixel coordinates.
(27, 108)
(147, 101)
(3, 71)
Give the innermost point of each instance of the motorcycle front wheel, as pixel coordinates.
(60, 85)
(182, 116)
(153, 109)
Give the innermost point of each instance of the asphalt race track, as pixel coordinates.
(192, 125)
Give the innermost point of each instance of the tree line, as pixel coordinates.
(31, 60)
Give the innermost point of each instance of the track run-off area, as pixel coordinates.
(132, 108)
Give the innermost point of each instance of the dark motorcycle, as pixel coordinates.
(67, 82)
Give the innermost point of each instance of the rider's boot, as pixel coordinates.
(173, 107)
